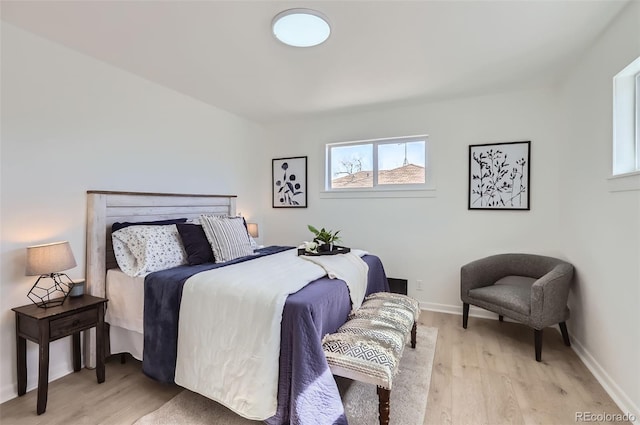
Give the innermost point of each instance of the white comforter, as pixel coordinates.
(229, 328)
(348, 267)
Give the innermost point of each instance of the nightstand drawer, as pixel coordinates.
(74, 323)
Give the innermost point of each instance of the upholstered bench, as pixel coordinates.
(368, 347)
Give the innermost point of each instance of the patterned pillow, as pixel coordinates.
(140, 250)
(228, 237)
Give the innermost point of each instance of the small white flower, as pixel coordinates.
(310, 246)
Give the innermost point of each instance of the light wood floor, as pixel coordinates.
(486, 374)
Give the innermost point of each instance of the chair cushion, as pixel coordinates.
(510, 292)
(394, 300)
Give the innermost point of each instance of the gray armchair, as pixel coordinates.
(531, 289)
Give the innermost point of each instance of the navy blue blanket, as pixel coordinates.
(307, 393)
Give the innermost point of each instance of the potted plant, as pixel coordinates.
(325, 238)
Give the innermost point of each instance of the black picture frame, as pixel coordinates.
(500, 176)
(289, 182)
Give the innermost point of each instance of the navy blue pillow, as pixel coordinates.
(118, 226)
(195, 243)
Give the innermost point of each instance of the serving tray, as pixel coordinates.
(336, 250)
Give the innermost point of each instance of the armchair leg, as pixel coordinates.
(501, 318)
(465, 314)
(537, 333)
(565, 334)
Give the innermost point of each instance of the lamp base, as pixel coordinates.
(52, 295)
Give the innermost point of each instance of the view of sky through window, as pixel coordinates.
(350, 159)
(394, 155)
(390, 156)
(392, 161)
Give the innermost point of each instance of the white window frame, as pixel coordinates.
(625, 171)
(426, 189)
(637, 118)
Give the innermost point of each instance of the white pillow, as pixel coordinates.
(140, 250)
(228, 237)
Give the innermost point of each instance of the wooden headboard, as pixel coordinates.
(105, 208)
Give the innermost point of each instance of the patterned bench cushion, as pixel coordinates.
(386, 317)
(390, 298)
(361, 359)
(378, 332)
(368, 347)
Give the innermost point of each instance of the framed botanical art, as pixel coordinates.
(289, 182)
(499, 177)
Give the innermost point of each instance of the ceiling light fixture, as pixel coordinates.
(301, 27)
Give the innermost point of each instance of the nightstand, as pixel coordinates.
(43, 325)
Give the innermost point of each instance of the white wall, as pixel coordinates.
(430, 238)
(601, 229)
(71, 123)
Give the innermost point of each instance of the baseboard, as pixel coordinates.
(9, 392)
(615, 392)
(457, 309)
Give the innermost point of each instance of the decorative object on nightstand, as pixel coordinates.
(47, 261)
(78, 288)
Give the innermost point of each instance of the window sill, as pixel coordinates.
(364, 194)
(624, 182)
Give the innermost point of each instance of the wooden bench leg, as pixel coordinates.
(413, 335)
(383, 409)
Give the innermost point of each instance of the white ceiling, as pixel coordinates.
(223, 53)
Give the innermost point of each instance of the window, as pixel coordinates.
(626, 120)
(378, 165)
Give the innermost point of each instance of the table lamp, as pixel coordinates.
(47, 261)
(253, 229)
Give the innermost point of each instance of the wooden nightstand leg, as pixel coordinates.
(21, 345)
(43, 368)
(77, 357)
(100, 344)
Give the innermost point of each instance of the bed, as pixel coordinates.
(306, 390)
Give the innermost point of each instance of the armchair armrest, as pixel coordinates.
(549, 296)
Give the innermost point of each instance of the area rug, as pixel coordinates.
(408, 396)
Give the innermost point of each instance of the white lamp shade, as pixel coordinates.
(49, 258)
(253, 229)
